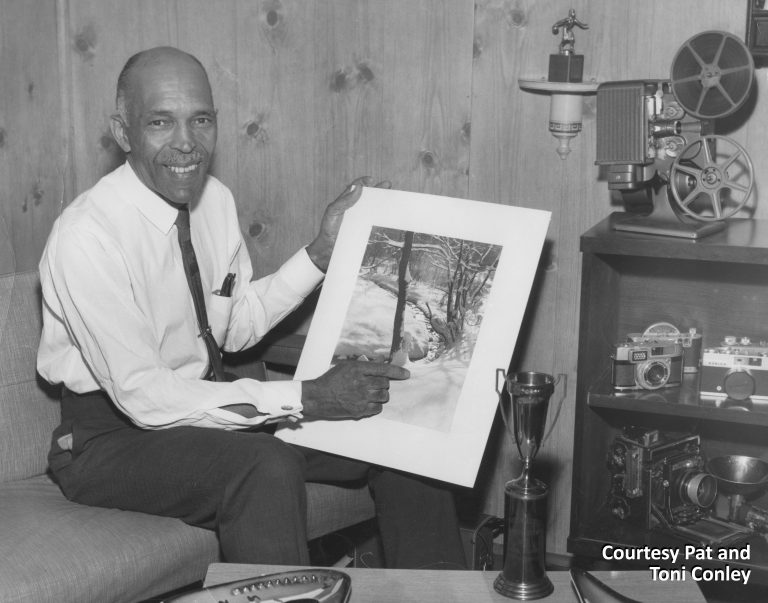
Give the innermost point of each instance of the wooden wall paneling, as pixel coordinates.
(32, 158)
(102, 35)
(394, 85)
(207, 29)
(276, 125)
(748, 127)
(513, 161)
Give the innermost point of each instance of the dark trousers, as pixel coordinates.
(247, 485)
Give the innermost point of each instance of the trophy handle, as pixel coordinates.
(559, 404)
(500, 373)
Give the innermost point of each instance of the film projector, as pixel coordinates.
(657, 145)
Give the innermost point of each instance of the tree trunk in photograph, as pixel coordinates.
(403, 278)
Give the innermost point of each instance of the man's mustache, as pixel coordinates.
(182, 158)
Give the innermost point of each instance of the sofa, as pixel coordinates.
(52, 549)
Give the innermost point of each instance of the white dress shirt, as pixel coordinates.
(118, 314)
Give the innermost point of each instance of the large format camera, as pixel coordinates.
(659, 481)
(647, 364)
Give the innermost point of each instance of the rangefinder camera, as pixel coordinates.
(737, 369)
(650, 364)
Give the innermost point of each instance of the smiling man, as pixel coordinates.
(171, 156)
(145, 278)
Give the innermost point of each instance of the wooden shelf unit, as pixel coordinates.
(719, 285)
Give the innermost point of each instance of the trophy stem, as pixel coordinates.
(525, 476)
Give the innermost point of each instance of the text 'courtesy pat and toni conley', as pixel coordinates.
(689, 562)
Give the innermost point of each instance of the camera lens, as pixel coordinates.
(739, 385)
(699, 489)
(653, 374)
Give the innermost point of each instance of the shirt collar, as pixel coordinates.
(160, 213)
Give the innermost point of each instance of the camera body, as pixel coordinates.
(737, 369)
(647, 364)
(658, 480)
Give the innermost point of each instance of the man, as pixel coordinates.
(144, 425)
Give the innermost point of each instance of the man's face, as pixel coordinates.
(171, 131)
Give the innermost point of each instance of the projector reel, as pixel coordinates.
(711, 77)
(712, 74)
(711, 179)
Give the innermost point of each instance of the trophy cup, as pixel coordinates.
(525, 499)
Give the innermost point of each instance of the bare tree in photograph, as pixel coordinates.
(466, 267)
(399, 351)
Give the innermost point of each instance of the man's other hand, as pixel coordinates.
(321, 248)
(350, 390)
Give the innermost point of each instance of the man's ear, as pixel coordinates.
(120, 132)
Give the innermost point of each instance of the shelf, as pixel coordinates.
(742, 241)
(683, 401)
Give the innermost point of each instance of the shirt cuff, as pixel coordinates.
(300, 274)
(275, 399)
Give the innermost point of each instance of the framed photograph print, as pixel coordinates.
(435, 284)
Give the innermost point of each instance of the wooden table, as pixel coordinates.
(402, 586)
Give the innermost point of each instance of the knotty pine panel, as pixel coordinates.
(101, 37)
(33, 156)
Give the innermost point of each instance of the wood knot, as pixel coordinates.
(517, 18)
(256, 229)
(255, 129)
(428, 159)
(477, 48)
(35, 195)
(107, 143)
(85, 42)
(347, 78)
(272, 18)
(339, 80)
(364, 73)
(466, 131)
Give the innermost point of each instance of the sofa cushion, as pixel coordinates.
(56, 550)
(29, 409)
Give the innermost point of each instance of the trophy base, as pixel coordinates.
(523, 591)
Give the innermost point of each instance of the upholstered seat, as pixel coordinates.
(52, 549)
